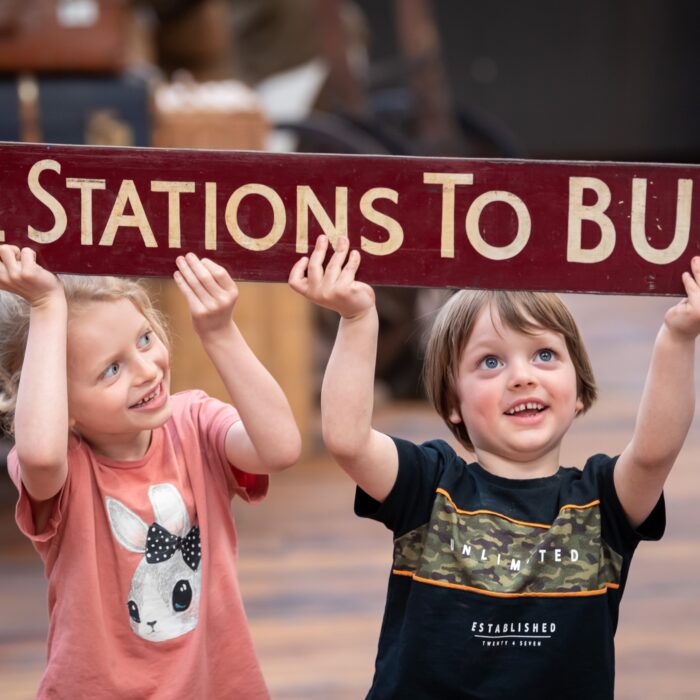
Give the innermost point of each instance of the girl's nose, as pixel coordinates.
(146, 369)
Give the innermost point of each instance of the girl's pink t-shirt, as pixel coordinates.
(140, 559)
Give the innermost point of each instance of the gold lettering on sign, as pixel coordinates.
(308, 201)
(210, 215)
(390, 225)
(86, 187)
(49, 201)
(279, 217)
(174, 190)
(447, 230)
(474, 233)
(579, 212)
(128, 195)
(681, 235)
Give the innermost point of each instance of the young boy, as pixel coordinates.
(508, 571)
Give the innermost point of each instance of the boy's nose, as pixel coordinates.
(521, 375)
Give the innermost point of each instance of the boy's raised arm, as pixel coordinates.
(347, 396)
(666, 409)
(266, 439)
(41, 413)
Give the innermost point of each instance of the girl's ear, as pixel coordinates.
(455, 416)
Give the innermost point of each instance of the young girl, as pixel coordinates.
(125, 490)
(507, 571)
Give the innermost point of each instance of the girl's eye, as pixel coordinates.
(545, 355)
(111, 371)
(145, 339)
(490, 362)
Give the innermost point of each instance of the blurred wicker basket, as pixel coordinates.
(218, 115)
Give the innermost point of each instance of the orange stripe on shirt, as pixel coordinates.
(495, 594)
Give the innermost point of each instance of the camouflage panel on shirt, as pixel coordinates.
(489, 552)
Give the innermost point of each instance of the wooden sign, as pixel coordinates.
(564, 226)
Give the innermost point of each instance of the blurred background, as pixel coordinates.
(457, 78)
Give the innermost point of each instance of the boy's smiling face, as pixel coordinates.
(517, 396)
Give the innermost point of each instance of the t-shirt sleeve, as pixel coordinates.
(23, 508)
(410, 501)
(616, 527)
(215, 418)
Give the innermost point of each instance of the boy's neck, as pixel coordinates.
(535, 468)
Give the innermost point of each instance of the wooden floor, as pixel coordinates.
(314, 576)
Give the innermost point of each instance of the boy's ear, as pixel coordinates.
(579, 405)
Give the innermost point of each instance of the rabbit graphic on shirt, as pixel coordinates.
(165, 589)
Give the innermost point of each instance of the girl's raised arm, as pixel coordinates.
(41, 413)
(267, 438)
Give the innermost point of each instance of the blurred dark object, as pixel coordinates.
(77, 109)
(63, 35)
(196, 36)
(272, 36)
(597, 80)
(5, 447)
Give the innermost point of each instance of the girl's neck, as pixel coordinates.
(122, 448)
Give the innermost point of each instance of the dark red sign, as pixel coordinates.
(565, 226)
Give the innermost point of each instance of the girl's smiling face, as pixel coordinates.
(517, 396)
(118, 378)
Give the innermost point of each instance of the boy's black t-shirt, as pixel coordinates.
(501, 589)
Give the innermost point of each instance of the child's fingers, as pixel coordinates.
(190, 297)
(27, 260)
(314, 271)
(348, 274)
(695, 268)
(207, 282)
(9, 256)
(297, 276)
(221, 275)
(190, 278)
(335, 264)
(691, 279)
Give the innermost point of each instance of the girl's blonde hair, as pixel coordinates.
(80, 292)
(524, 312)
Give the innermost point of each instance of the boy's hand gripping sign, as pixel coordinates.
(432, 222)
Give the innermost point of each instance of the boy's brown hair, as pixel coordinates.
(524, 312)
(80, 291)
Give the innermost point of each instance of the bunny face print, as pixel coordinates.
(165, 589)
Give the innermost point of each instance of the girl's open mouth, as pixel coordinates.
(154, 399)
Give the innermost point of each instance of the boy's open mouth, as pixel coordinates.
(527, 408)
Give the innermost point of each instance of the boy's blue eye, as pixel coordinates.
(111, 371)
(490, 362)
(145, 339)
(545, 355)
